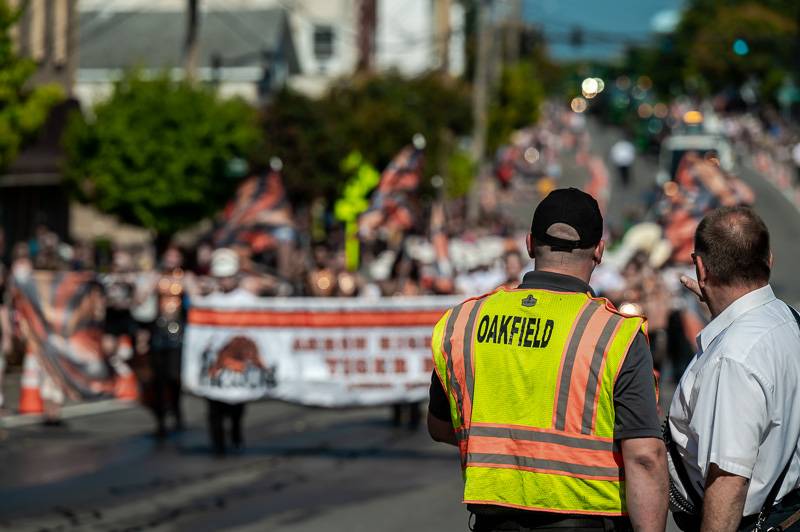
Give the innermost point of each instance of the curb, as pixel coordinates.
(69, 412)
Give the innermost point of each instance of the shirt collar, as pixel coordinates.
(555, 281)
(744, 304)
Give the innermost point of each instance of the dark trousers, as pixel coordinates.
(166, 389)
(523, 521)
(411, 412)
(539, 522)
(625, 175)
(218, 412)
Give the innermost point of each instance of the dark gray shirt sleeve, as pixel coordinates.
(636, 412)
(439, 406)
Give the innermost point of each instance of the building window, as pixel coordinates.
(323, 42)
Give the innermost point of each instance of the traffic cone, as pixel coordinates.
(126, 388)
(30, 399)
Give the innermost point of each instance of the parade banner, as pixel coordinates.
(316, 351)
(60, 319)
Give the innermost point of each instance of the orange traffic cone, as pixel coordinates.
(126, 387)
(30, 400)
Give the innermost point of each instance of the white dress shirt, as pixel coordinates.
(738, 403)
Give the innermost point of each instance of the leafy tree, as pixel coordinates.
(297, 130)
(23, 110)
(374, 115)
(157, 153)
(767, 35)
(516, 102)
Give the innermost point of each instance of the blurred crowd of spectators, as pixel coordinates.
(434, 251)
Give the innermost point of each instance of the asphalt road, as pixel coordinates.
(303, 469)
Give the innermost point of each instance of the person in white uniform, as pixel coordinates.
(226, 273)
(734, 421)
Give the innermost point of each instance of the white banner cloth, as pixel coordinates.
(329, 352)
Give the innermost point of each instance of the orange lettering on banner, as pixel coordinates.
(428, 363)
(363, 366)
(331, 365)
(357, 343)
(404, 342)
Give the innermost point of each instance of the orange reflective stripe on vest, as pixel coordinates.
(542, 450)
(458, 344)
(582, 364)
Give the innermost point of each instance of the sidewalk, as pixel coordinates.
(10, 418)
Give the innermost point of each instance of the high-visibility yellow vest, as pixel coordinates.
(530, 378)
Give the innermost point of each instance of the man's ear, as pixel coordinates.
(598, 252)
(701, 270)
(530, 244)
(771, 260)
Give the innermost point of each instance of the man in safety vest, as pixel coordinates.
(548, 392)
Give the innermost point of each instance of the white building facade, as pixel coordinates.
(323, 47)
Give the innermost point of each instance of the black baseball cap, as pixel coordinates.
(574, 208)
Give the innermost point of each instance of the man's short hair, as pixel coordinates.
(734, 245)
(545, 254)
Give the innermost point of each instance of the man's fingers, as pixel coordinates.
(692, 285)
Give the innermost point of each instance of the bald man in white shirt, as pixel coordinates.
(735, 417)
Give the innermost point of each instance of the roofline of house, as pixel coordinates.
(225, 74)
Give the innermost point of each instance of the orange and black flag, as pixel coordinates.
(60, 316)
(259, 208)
(389, 204)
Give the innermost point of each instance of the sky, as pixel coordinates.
(609, 23)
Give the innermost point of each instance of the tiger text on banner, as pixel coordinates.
(325, 352)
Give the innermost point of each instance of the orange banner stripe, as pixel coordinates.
(268, 318)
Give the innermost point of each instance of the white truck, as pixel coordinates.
(673, 149)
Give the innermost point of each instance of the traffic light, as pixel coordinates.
(740, 47)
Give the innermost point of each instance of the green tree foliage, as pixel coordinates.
(769, 36)
(23, 110)
(374, 115)
(699, 56)
(516, 102)
(157, 152)
(297, 129)
(461, 170)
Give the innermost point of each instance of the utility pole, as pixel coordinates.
(442, 34)
(192, 43)
(513, 31)
(480, 100)
(367, 18)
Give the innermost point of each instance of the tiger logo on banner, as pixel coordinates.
(236, 364)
